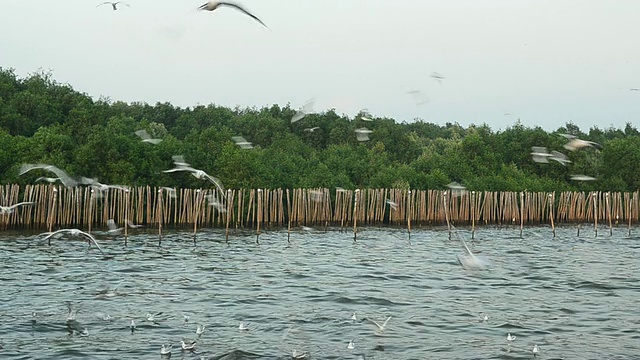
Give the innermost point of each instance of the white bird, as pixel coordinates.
(131, 225)
(9, 209)
(380, 327)
(362, 134)
(198, 174)
(166, 349)
(582, 178)
(540, 154)
(212, 5)
(242, 142)
(132, 326)
(242, 326)
(510, 337)
(85, 332)
(485, 318)
(299, 356)
(307, 108)
(65, 179)
(353, 316)
(171, 192)
(48, 179)
(114, 230)
(200, 330)
(351, 345)
(185, 318)
(559, 157)
(576, 144)
(153, 317)
(392, 204)
(191, 345)
(144, 135)
(72, 232)
(312, 129)
(535, 350)
(114, 4)
(102, 188)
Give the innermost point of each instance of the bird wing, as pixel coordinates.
(20, 204)
(87, 235)
(238, 7)
(374, 323)
(386, 321)
(179, 168)
(104, 3)
(143, 134)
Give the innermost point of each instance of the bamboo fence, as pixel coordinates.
(56, 207)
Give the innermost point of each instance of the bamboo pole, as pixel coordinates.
(228, 207)
(355, 212)
(446, 212)
(521, 213)
(473, 214)
(259, 213)
(608, 211)
(159, 210)
(409, 211)
(551, 202)
(595, 213)
(126, 215)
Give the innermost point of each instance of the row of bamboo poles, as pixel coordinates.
(56, 207)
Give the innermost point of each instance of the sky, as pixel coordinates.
(544, 62)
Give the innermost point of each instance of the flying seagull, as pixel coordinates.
(9, 209)
(144, 135)
(72, 232)
(178, 161)
(65, 179)
(114, 5)
(242, 142)
(576, 144)
(304, 110)
(437, 77)
(212, 5)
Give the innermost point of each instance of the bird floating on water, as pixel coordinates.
(535, 350)
(166, 349)
(242, 326)
(189, 345)
(213, 5)
(353, 317)
(510, 337)
(295, 355)
(485, 318)
(351, 345)
(132, 326)
(114, 5)
(200, 329)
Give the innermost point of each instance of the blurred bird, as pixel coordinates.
(307, 108)
(559, 157)
(418, 96)
(242, 142)
(437, 77)
(576, 144)
(114, 5)
(535, 350)
(362, 134)
(72, 232)
(198, 174)
(144, 135)
(212, 5)
(582, 178)
(540, 154)
(65, 179)
(9, 209)
(312, 129)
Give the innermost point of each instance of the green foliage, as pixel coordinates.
(42, 121)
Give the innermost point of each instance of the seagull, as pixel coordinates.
(199, 330)
(185, 318)
(559, 157)
(634, 89)
(299, 356)
(392, 204)
(312, 129)
(95, 184)
(114, 4)
(212, 5)
(242, 142)
(380, 327)
(190, 345)
(304, 110)
(576, 144)
(9, 209)
(437, 77)
(170, 191)
(455, 186)
(198, 174)
(353, 317)
(510, 337)
(144, 135)
(132, 326)
(166, 349)
(48, 179)
(65, 179)
(540, 154)
(362, 134)
(351, 345)
(85, 332)
(582, 178)
(71, 314)
(485, 318)
(131, 225)
(418, 96)
(243, 327)
(114, 230)
(535, 350)
(213, 201)
(152, 317)
(72, 232)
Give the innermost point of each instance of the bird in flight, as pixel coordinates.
(213, 5)
(114, 5)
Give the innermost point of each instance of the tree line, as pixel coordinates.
(43, 121)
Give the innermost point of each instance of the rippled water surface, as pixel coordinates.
(575, 297)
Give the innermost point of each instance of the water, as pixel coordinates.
(573, 297)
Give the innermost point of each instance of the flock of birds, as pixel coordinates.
(540, 154)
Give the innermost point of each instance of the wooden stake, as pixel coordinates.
(259, 217)
(355, 214)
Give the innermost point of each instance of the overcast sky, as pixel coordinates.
(547, 62)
